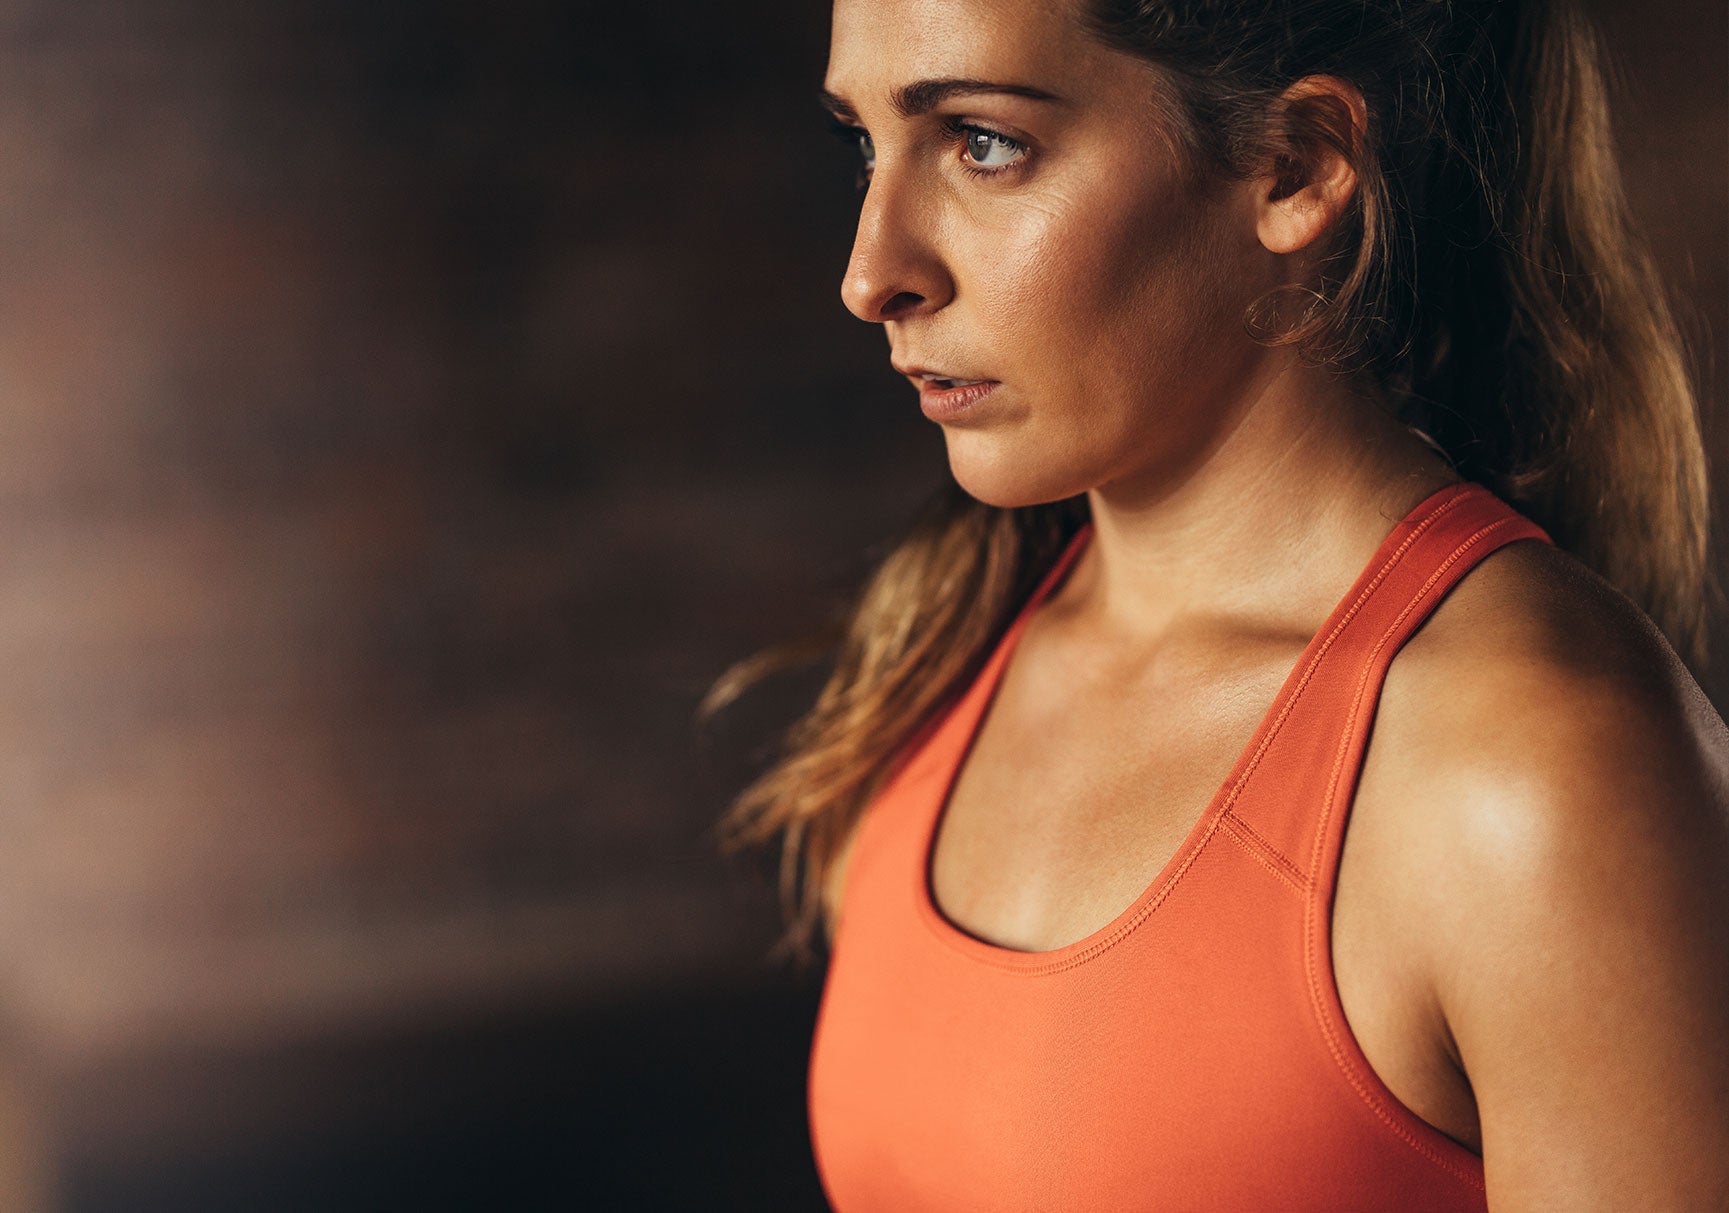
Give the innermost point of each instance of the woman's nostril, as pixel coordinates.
(903, 301)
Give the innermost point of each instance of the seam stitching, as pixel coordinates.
(1263, 853)
(1345, 1062)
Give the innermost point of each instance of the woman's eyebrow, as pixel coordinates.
(921, 96)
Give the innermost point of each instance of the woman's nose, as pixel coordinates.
(894, 271)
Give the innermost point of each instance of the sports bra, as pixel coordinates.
(1192, 1053)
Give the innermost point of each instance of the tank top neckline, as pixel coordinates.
(961, 731)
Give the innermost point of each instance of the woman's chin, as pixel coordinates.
(1010, 484)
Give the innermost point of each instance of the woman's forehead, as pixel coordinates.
(879, 46)
(948, 37)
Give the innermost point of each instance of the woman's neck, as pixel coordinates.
(1270, 525)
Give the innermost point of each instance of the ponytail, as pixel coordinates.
(1551, 367)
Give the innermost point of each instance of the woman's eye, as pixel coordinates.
(982, 145)
(986, 152)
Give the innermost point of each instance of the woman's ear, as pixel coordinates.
(1323, 120)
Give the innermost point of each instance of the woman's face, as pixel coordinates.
(1046, 243)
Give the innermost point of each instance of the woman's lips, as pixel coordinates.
(951, 403)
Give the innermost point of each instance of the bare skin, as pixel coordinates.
(1530, 927)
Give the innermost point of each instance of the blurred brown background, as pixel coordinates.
(405, 410)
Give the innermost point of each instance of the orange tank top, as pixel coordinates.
(1192, 1053)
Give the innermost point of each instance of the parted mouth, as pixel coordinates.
(937, 378)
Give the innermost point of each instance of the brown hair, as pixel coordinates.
(1486, 275)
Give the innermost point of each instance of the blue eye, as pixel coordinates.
(985, 153)
(982, 144)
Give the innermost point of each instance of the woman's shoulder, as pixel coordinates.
(1536, 667)
(1563, 807)
(1538, 703)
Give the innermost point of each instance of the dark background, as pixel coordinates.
(405, 411)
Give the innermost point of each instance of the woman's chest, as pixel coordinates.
(1053, 825)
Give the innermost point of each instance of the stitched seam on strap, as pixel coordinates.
(1263, 852)
(1340, 1057)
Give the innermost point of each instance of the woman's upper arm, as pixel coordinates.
(1582, 958)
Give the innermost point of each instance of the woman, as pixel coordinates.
(1324, 457)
